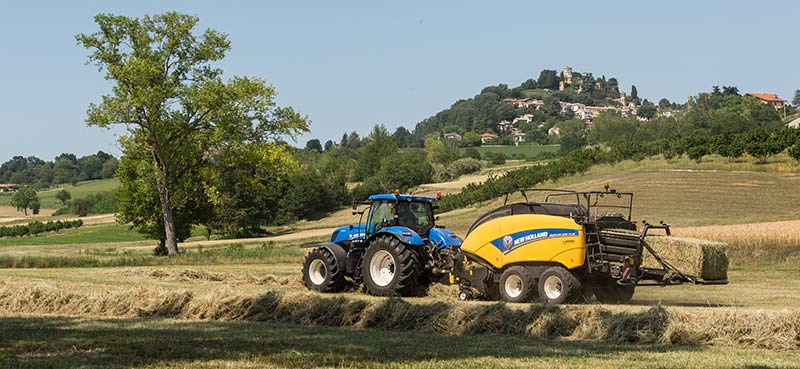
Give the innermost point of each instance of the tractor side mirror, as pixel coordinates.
(351, 226)
(437, 218)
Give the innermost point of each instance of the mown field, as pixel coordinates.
(96, 301)
(79, 190)
(528, 150)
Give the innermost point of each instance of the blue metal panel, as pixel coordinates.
(342, 234)
(404, 234)
(443, 237)
(392, 197)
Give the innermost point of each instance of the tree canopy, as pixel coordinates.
(178, 109)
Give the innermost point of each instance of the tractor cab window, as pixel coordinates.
(415, 215)
(380, 215)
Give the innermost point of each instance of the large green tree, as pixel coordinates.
(379, 145)
(796, 99)
(176, 106)
(25, 198)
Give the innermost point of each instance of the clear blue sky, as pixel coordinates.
(349, 65)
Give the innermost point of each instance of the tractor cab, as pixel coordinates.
(409, 218)
(412, 212)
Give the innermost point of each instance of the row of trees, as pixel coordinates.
(34, 228)
(65, 168)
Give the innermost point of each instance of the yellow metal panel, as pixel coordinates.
(528, 238)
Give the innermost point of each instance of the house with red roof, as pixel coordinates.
(488, 137)
(771, 99)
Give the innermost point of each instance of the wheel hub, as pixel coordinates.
(317, 272)
(382, 268)
(553, 287)
(513, 286)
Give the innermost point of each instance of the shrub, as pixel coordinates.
(463, 166)
(496, 158)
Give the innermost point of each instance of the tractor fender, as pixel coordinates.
(338, 253)
(403, 234)
(443, 237)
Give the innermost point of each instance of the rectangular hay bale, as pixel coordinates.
(707, 260)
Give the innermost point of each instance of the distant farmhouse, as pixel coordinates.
(8, 187)
(453, 136)
(488, 137)
(770, 99)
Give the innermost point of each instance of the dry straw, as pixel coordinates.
(737, 328)
(700, 258)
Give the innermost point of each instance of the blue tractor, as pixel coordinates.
(392, 254)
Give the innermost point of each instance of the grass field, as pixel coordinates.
(83, 235)
(528, 150)
(78, 191)
(104, 301)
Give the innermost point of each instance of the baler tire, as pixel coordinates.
(332, 279)
(517, 284)
(559, 279)
(407, 279)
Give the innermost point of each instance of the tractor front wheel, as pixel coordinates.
(391, 268)
(321, 272)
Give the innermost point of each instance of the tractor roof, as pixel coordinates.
(401, 197)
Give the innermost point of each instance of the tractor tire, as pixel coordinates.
(321, 272)
(557, 285)
(517, 284)
(609, 292)
(391, 268)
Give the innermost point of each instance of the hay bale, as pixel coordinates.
(700, 258)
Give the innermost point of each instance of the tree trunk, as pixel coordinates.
(169, 225)
(166, 208)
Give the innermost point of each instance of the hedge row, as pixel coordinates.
(38, 227)
(572, 163)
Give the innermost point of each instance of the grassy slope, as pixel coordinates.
(529, 150)
(59, 342)
(83, 235)
(80, 190)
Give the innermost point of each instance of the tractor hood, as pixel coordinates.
(349, 233)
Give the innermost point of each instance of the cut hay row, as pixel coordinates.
(206, 276)
(736, 328)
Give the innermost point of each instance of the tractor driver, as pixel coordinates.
(413, 215)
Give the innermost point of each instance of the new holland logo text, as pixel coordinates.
(514, 241)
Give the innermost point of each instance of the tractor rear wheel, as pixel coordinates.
(321, 271)
(391, 268)
(517, 284)
(610, 292)
(557, 285)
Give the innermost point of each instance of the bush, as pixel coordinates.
(96, 203)
(34, 228)
(496, 158)
(463, 166)
(471, 152)
(794, 151)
